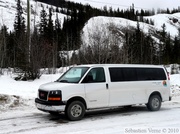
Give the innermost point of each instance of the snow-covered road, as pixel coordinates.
(28, 120)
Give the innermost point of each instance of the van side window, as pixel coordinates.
(123, 74)
(129, 74)
(95, 75)
(136, 74)
(151, 74)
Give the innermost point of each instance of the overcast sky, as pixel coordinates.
(145, 4)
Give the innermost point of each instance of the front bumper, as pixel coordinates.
(50, 106)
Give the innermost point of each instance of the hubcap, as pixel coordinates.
(155, 103)
(76, 110)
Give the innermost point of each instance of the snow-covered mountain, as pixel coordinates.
(8, 12)
(105, 25)
(172, 22)
(138, 4)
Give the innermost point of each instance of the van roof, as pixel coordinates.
(120, 65)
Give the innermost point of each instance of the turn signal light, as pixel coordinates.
(54, 99)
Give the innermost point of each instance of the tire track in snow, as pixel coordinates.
(25, 123)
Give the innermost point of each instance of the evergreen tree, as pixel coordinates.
(21, 48)
(162, 38)
(43, 30)
(129, 46)
(149, 50)
(43, 23)
(138, 46)
(58, 39)
(176, 49)
(10, 50)
(50, 27)
(3, 47)
(19, 24)
(167, 55)
(52, 45)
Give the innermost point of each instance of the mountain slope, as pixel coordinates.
(8, 12)
(139, 4)
(106, 24)
(172, 22)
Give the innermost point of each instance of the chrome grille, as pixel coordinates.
(43, 95)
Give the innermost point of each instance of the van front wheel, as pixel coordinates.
(154, 103)
(75, 111)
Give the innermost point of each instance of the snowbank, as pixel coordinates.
(20, 93)
(175, 85)
(11, 101)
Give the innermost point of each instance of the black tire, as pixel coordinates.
(75, 111)
(154, 103)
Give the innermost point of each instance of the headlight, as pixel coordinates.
(56, 92)
(54, 95)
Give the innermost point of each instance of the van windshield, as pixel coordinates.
(73, 75)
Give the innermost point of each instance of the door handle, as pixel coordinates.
(107, 86)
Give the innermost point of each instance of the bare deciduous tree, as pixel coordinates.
(103, 44)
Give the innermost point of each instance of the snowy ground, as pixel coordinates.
(19, 115)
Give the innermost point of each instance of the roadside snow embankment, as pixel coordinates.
(175, 85)
(15, 94)
(11, 101)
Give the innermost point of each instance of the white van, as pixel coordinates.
(88, 87)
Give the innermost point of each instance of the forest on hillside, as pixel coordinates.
(50, 43)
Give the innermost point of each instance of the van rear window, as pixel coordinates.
(136, 74)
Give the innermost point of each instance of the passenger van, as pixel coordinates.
(89, 87)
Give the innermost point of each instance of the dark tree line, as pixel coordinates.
(50, 41)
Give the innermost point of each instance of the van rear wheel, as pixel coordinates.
(75, 111)
(154, 103)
